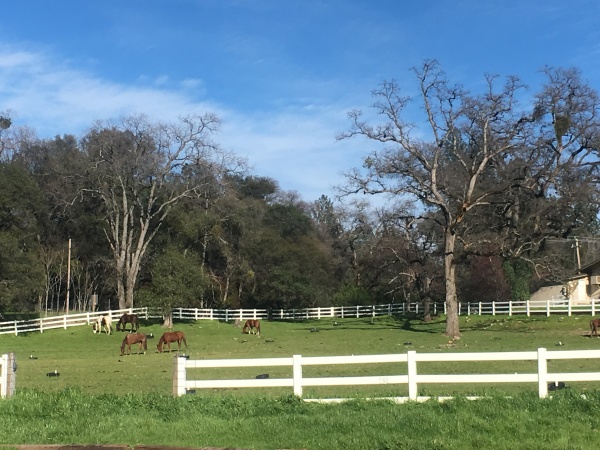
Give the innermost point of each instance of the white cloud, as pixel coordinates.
(294, 145)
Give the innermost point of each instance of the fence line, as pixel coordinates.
(8, 369)
(510, 308)
(68, 320)
(181, 385)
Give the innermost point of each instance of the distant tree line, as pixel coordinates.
(480, 195)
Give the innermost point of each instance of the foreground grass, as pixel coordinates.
(567, 421)
(101, 397)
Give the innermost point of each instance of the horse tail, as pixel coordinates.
(145, 344)
(184, 341)
(258, 328)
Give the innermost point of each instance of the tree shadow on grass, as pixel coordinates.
(406, 323)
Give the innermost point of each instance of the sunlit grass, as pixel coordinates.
(566, 421)
(92, 362)
(103, 398)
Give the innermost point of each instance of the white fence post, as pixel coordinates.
(297, 374)
(3, 374)
(7, 375)
(569, 307)
(542, 373)
(593, 307)
(179, 376)
(412, 374)
(527, 308)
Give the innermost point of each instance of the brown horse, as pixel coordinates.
(134, 338)
(168, 337)
(594, 325)
(250, 325)
(128, 318)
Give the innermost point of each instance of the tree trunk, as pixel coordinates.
(121, 289)
(452, 324)
(168, 320)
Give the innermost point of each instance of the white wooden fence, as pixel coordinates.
(510, 308)
(68, 320)
(8, 369)
(544, 307)
(413, 379)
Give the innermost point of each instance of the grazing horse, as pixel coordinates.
(128, 318)
(134, 338)
(168, 337)
(594, 325)
(250, 325)
(102, 322)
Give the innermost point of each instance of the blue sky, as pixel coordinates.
(281, 74)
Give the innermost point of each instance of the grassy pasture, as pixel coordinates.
(92, 362)
(101, 397)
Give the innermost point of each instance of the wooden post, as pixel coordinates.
(297, 374)
(412, 374)
(3, 375)
(8, 375)
(542, 373)
(68, 278)
(179, 376)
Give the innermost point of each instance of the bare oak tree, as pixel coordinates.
(140, 170)
(478, 152)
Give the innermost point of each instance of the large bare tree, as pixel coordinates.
(472, 152)
(140, 170)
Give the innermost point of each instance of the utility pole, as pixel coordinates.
(577, 252)
(68, 278)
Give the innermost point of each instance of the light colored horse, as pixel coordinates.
(102, 322)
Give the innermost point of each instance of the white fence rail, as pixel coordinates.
(542, 377)
(68, 320)
(8, 370)
(545, 307)
(529, 307)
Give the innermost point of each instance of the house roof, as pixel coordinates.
(548, 292)
(587, 268)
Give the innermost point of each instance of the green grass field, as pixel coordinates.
(101, 397)
(92, 362)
